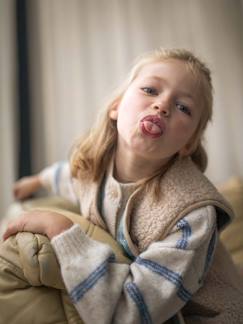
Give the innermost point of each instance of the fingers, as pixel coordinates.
(26, 186)
(17, 191)
(21, 188)
(14, 227)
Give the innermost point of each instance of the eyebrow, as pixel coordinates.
(182, 93)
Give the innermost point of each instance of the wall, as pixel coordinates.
(86, 47)
(7, 103)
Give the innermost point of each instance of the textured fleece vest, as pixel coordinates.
(183, 189)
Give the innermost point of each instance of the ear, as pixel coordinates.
(113, 113)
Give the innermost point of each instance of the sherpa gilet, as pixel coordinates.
(183, 188)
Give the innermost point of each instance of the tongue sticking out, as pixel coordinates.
(151, 128)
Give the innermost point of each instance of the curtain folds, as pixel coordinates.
(87, 47)
(80, 50)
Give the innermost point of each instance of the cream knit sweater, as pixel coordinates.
(172, 244)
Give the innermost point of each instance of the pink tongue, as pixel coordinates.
(151, 127)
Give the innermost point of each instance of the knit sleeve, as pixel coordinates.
(152, 288)
(58, 180)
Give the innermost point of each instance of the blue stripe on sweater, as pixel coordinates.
(168, 274)
(186, 233)
(79, 291)
(137, 297)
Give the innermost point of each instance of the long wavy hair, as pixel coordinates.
(92, 153)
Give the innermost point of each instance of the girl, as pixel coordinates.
(139, 175)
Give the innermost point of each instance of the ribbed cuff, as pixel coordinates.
(73, 242)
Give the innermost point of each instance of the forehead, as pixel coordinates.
(174, 72)
(171, 68)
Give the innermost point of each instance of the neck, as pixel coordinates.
(132, 168)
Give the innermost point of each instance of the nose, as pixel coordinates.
(162, 108)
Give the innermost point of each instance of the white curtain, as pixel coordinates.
(81, 49)
(7, 103)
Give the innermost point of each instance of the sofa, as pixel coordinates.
(232, 236)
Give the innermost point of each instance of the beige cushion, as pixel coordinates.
(232, 236)
(29, 270)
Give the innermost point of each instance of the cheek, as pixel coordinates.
(185, 130)
(131, 102)
(124, 119)
(128, 111)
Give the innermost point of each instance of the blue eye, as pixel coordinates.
(150, 91)
(183, 109)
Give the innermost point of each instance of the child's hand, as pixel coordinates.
(24, 187)
(42, 222)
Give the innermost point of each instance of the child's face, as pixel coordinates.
(159, 112)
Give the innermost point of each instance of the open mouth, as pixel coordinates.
(152, 126)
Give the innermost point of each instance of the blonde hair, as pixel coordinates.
(91, 154)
